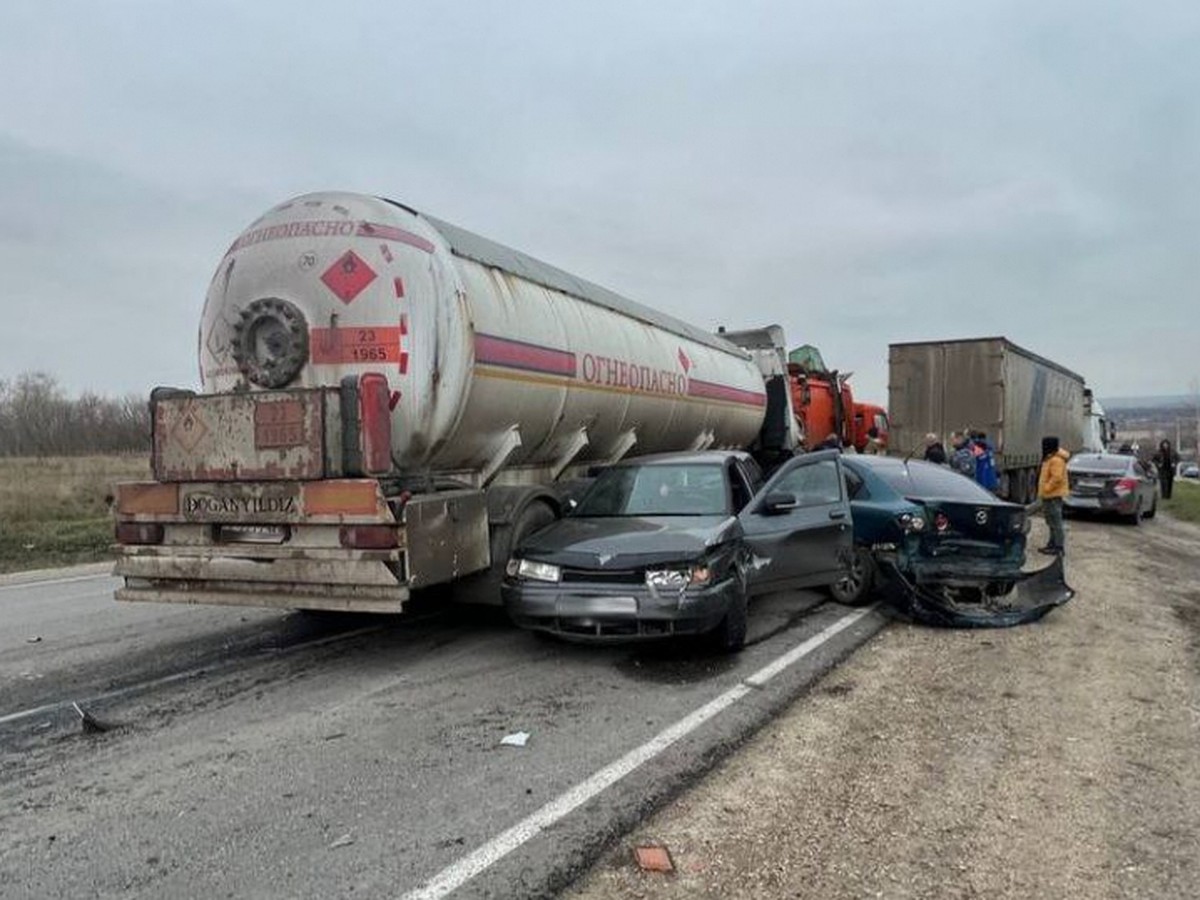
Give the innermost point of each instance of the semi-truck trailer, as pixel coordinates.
(389, 402)
(1013, 396)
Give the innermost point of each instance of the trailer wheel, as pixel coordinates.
(484, 588)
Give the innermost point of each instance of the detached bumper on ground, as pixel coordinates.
(956, 602)
(617, 612)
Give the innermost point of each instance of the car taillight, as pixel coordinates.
(1126, 486)
(139, 533)
(941, 521)
(368, 537)
(374, 395)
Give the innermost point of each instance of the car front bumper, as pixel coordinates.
(617, 612)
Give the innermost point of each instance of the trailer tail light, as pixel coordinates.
(374, 395)
(139, 533)
(368, 537)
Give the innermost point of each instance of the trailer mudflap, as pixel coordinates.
(994, 603)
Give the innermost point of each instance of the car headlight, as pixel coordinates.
(680, 577)
(533, 570)
(911, 521)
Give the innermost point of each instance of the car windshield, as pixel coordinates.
(657, 490)
(1096, 463)
(922, 479)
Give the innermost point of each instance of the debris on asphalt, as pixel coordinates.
(333, 736)
(516, 739)
(344, 841)
(653, 858)
(35, 639)
(89, 723)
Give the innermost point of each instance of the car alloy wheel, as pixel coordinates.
(855, 586)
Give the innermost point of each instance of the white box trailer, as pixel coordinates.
(987, 384)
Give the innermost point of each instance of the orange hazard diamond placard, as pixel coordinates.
(348, 276)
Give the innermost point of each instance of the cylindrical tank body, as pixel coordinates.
(493, 357)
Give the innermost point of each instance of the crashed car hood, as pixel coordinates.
(628, 542)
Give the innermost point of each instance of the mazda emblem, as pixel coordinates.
(981, 516)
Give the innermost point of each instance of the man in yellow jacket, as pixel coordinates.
(1052, 487)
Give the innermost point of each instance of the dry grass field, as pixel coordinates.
(54, 511)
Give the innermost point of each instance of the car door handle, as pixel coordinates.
(837, 514)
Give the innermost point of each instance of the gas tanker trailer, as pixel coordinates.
(390, 402)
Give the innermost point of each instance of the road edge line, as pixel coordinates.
(478, 861)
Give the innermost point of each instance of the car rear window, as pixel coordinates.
(1094, 463)
(922, 479)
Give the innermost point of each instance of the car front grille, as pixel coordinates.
(604, 576)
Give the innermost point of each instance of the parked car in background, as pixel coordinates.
(676, 544)
(1112, 483)
(937, 528)
(1189, 470)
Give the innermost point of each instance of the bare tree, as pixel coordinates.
(37, 418)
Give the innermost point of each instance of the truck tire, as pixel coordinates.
(856, 588)
(484, 589)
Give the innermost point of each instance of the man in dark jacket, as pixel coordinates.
(1166, 459)
(935, 452)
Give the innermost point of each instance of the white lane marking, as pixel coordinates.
(178, 676)
(459, 873)
(28, 585)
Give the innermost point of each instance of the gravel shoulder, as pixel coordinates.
(1051, 760)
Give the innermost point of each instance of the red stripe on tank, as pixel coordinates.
(707, 390)
(394, 234)
(497, 351)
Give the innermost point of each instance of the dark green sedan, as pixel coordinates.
(931, 527)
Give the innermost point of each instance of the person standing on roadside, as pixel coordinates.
(1052, 488)
(985, 462)
(935, 452)
(962, 460)
(1166, 459)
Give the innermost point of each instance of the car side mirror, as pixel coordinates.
(778, 502)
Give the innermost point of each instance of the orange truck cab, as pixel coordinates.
(824, 404)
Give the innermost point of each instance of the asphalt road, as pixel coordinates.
(267, 754)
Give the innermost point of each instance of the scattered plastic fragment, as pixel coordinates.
(35, 639)
(516, 739)
(89, 723)
(651, 858)
(344, 841)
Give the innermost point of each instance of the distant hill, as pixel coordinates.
(1160, 402)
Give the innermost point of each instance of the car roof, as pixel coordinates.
(1091, 457)
(690, 457)
(884, 462)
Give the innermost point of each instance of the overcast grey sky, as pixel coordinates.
(859, 172)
